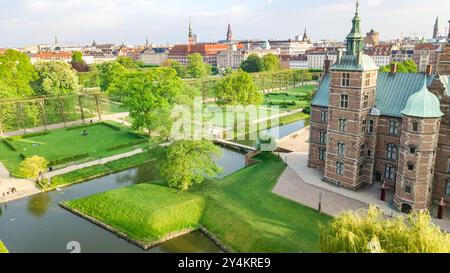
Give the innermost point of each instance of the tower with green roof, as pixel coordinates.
(420, 136)
(351, 98)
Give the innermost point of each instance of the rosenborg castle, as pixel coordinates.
(369, 127)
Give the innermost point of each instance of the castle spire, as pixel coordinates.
(355, 39)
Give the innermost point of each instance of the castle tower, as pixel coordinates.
(436, 28)
(190, 34)
(352, 97)
(420, 136)
(229, 34)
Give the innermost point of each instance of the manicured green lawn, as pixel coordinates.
(63, 143)
(293, 118)
(289, 99)
(3, 248)
(114, 108)
(240, 210)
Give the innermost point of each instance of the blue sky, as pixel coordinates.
(81, 21)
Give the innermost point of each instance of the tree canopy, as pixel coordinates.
(16, 74)
(252, 64)
(238, 88)
(55, 79)
(129, 63)
(31, 167)
(271, 62)
(352, 232)
(108, 72)
(196, 67)
(408, 66)
(188, 162)
(78, 62)
(179, 68)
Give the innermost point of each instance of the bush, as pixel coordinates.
(112, 126)
(32, 166)
(129, 144)
(138, 135)
(83, 126)
(67, 159)
(30, 135)
(10, 145)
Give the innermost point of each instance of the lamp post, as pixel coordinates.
(383, 191)
(441, 209)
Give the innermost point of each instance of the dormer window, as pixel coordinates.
(345, 79)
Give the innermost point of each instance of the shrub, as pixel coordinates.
(67, 159)
(138, 135)
(10, 145)
(112, 126)
(32, 166)
(83, 126)
(129, 144)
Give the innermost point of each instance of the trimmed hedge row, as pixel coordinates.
(124, 145)
(112, 126)
(68, 159)
(76, 127)
(30, 135)
(10, 145)
(138, 135)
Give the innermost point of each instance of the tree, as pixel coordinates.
(55, 79)
(188, 162)
(252, 64)
(31, 167)
(149, 96)
(108, 72)
(407, 66)
(302, 75)
(196, 67)
(16, 73)
(179, 68)
(271, 62)
(356, 232)
(238, 88)
(78, 62)
(129, 63)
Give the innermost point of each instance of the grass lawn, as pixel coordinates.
(113, 108)
(102, 141)
(293, 118)
(240, 210)
(3, 248)
(289, 99)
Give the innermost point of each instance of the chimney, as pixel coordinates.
(393, 68)
(429, 70)
(339, 56)
(327, 65)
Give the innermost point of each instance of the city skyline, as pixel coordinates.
(131, 21)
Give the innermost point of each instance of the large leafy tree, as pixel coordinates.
(252, 64)
(129, 63)
(16, 74)
(188, 162)
(196, 67)
(150, 96)
(32, 166)
(179, 68)
(356, 232)
(55, 79)
(407, 66)
(238, 88)
(108, 72)
(271, 62)
(78, 62)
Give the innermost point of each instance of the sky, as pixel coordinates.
(25, 22)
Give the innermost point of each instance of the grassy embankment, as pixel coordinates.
(240, 210)
(3, 248)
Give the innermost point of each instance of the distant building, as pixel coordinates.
(292, 47)
(443, 62)
(236, 54)
(381, 54)
(372, 38)
(316, 57)
(62, 56)
(208, 51)
(401, 55)
(294, 62)
(154, 56)
(424, 55)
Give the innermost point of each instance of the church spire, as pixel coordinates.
(229, 33)
(190, 28)
(355, 39)
(436, 28)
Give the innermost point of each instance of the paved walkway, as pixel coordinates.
(23, 187)
(304, 185)
(69, 169)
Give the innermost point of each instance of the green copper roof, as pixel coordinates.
(349, 63)
(355, 39)
(423, 104)
(393, 91)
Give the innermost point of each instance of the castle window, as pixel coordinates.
(322, 154)
(393, 127)
(410, 166)
(340, 168)
(343, 125)
(448, 165)
(415, 126)
(447, 188)
(345, 79)
(364, 126)
(369, 153)
(360, 169)
(407, 189)
(323, 137)
(366, 101)
(412, 149)
(367, 79)
(344, 101)
(341, 149)
(392, 152)
(371, 125)
(324, 116)
(389, 172)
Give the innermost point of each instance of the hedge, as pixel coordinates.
(112, 126)
(124, 145)
(67, 159)
(10, 145)
(28, 135)
(138, 135)
(76, 127)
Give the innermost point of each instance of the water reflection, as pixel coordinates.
(39, 204)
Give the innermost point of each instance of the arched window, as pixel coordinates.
(392, 151)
